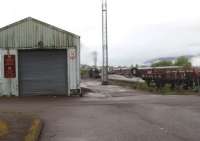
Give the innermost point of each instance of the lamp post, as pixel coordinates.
(104, 44)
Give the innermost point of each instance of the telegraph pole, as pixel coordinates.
(104, 43)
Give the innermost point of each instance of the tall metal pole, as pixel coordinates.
(104, 43)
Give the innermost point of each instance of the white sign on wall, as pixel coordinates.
(72, 53)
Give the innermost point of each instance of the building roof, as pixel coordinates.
(38, 21)
(30, 33)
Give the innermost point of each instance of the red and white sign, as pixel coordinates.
(9, 66)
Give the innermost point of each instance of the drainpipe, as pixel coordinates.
(9, 79)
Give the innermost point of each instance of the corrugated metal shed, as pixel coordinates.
(32, 33)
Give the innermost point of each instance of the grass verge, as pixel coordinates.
(143, 87)
(3, 128)
(34, 131)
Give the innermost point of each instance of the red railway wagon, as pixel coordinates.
(176, 76)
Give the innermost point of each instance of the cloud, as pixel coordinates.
(138, 30)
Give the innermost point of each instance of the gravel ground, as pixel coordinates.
(113, 113)
(122, 78)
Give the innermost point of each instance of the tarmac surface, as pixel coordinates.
(113, 113)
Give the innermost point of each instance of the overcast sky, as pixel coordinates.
(138, 30)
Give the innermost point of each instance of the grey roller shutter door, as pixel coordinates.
(42, 72)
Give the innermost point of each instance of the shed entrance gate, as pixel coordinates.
(42, 72)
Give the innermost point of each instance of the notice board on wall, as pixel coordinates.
(72, 53)
(9, 66)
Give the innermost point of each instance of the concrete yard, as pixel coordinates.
(113, 113)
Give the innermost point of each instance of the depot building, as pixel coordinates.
(37, 58)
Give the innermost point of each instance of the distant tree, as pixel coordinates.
(162, 64)
(183, 61)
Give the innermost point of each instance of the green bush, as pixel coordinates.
(83, 72)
